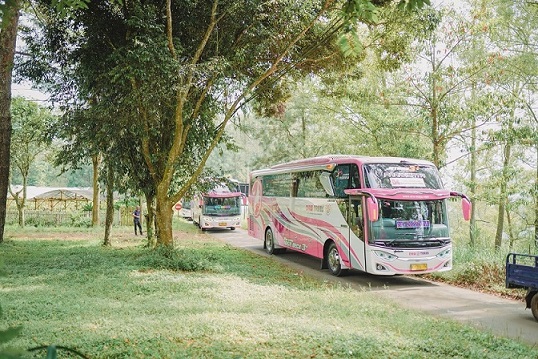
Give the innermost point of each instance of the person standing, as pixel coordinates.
(136, 220)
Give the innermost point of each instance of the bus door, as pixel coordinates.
(355, 220)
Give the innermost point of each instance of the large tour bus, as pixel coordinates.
(380, 215)
(219, 208)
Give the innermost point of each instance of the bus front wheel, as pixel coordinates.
(333, 260)
(269, 242)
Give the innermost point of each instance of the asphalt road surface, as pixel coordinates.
(502, 317)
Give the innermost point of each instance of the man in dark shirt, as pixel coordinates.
(136, 220)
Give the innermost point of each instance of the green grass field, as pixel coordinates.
(204, 299)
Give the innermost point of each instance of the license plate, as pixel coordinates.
(419, 266)
(222, 224)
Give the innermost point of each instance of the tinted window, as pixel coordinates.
(345, 177)
(308, 184)
(399, 175)
(277, 185)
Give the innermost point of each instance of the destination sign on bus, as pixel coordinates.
(407, 182)
(401, 224)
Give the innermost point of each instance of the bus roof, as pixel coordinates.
(328, 162)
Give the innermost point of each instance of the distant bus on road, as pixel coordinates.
(380, 215)
(186, 211)
(219, 208)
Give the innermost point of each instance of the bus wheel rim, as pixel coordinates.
(334, 259)
(269, 240)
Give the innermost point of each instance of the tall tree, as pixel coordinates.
(9, 14)
(514, 77)
(28, 141)
(439, 84)
(175, 76)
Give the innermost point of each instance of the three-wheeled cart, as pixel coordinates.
(522, 272)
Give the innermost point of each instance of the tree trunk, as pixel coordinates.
(150, 220)
(109, 218)
(503, 197)
(536, 202)
(8, 41)
(21, 201)
(20, 208)
(164, 214)
(511, 236)
(22, 216)
(473, 229)
(95, 183)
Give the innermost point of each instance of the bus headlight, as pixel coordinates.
(444, 253)
(207, 219)
(385, 256)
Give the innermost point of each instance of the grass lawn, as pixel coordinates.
(205, 299)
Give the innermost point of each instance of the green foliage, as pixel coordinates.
(8, 334)
(410, 5)
(40, 222)
(64, 6)
(29, 122)
(80, 220)
(186, 259)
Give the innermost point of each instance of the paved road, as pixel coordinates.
(503, 317)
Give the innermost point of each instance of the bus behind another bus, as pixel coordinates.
(219, 208)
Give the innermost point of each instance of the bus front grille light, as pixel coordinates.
(385, 256)
(444, 253)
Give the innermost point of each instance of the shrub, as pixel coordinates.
(82, 221)
(181, 259)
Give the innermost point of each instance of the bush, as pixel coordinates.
(174, 259)
(81, 221)
(40, 222)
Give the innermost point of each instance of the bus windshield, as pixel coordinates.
(410, 224)
(186, 204)
(401, 175)
(222, 206)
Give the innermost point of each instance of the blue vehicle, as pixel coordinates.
(522, 272)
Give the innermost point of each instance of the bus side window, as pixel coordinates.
(340, 178)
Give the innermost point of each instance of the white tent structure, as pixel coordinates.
(53, 198)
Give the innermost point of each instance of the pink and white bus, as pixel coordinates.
(219, 208)
(380, 215)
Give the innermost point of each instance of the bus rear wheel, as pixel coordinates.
(333, 260)
(269, 242)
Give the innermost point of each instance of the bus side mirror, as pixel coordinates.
(466, 208)
(373, 209)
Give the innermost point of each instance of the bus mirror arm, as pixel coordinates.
(466, 205)
(372, 207)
